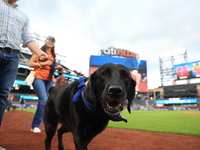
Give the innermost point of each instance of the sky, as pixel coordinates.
(146, 27)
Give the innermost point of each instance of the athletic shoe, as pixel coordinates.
(36, 130)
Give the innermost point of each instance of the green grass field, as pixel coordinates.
(176, 122)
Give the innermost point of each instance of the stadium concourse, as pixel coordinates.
(15, 134)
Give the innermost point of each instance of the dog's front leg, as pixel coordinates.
(80, 144)
(82, 139)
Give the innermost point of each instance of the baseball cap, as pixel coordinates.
(51, 38)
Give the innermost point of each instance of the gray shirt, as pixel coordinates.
(14, 27)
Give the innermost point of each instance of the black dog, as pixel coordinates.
(85, 111)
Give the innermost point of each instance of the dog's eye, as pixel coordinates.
(104, 74)
(125, 76)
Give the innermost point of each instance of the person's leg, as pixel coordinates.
(40, 89)
(49, 84)
(142, 73)
(22, 107)
(8, 72)
(138, 80)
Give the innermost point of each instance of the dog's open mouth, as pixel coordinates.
(113, 108)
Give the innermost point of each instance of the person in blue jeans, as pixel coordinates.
(41, 89)
(43, 80)
(14, 29)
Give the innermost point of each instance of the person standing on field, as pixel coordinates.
(43, 80)
(14, 29)
(21, 104)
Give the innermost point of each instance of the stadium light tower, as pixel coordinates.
(167, 60)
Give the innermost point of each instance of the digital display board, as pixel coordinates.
(187, 70)
(138, 68)
(29, 97)
(177, 101)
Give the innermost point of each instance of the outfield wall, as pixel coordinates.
(34, 105)
(193, 108)
(26, 105)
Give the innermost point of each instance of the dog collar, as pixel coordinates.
(81, 88)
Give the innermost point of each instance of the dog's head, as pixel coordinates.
(110, 86)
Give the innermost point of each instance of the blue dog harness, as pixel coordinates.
(81, 88)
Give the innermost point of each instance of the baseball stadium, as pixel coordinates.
(163, 118)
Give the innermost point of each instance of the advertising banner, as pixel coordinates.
(187, 70)
(177, 101)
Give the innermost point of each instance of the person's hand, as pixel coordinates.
(45, 63)
(43, 56)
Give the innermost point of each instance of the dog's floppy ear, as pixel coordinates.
(90, 87)
(131, 94)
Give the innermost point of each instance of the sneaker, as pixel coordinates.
(36, 130)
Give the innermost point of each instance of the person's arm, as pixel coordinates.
(29, 42)
(33, 63)
(35, 49)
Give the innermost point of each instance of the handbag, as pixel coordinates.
(30, 78)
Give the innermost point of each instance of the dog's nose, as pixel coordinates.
(115, 90)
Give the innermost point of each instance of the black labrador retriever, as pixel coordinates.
(85, 108)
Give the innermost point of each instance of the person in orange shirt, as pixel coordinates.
(43, 80)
